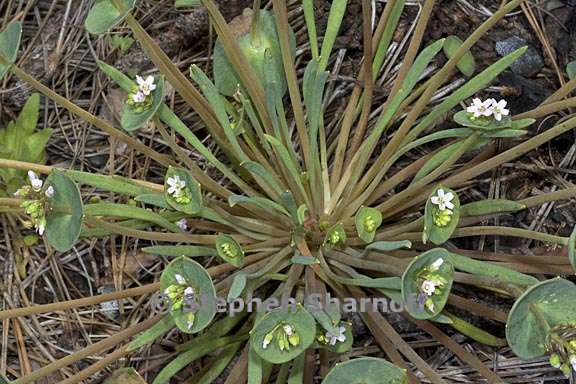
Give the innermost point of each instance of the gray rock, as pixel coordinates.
(529, 64)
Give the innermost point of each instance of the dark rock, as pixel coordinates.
(528, 64)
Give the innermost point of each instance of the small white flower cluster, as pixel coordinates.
(487, 108)
(34, 203)
(432, 282)
(443, 200)
(340, 337)
(176, 185)
(145, 87)
(37, 184)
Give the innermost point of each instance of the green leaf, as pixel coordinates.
(180, 250)
(483, 268)
(571, 69)
(435, 227)
(254, 367)
(335, 18)
(65, 212)
(420, 270)
(466, 119)
(303, 323)
(503, 133)
(28, 117)
(237, 287)
(303, 260)
(467, 64)
(522, 123)
(261, 202)
(9, 44)
(384, 246)
(187, 3)
(335, 236)
(546, 305)
(368, 220)
(192, 190)
(255, 50)
(104, 15)
(151, 334)
(118, 77)
(155, 199)
(572, 248)
(204, 306)
(490, 206)
(366, 370)
(129, 212)
(4, 380)
(133, 119)
(229, 250)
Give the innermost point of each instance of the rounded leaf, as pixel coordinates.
(303, 325)
(191, 200)
(465, 119)
(339, 347)
(104, 15)
(546, 304)
(204, 300)
(255, 51)
(64, 213)
(9, 44)
(425, 269)
(572, 248)
(230, 250)
(366, 370)
(133, 119)
(467, 64)
(368, 220)
(439, 224)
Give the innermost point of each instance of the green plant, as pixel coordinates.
(19, 142)
(305, 212)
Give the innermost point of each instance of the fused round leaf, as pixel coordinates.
(255, 51)
(366, 370)
(340, 347)
(230, 250)
(572, 248)
(9, 43)
(416, 273)
(465, 119)
(303, 324)
(467, 64)
(368, 220)
(192, 202)
(436, 229)
(553, 300)
(65, 212)
(204, 300)
(132, 119)
(104, 15)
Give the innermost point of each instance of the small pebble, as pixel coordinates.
(529, 64)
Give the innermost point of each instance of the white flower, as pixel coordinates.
(428, 287)
(40, 229)
(179, 279)
(499, 109)
(189, 292)
(443, 200)
(182, 224)
(176, 185)
(288, 329)
(266, 342)
(480, 108)
(138, 97)
(146, 85)
(49, 192)
(340, 337)
(35, 181)
(436, 264)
